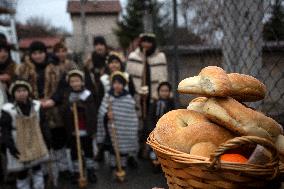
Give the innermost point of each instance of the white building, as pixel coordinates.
(101, 19)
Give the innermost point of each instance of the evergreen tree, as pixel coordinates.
(131, 24)
(273, 30)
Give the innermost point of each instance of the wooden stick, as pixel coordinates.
(120, 172)
(144, 82)
(82, 178)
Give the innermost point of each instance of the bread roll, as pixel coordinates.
(190, 132)
(213, 81)
(246, 88)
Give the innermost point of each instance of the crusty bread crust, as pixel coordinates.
(246, 88)
(237, 117)
(213, 81)
(182, 129)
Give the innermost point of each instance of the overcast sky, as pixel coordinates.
(52, 10)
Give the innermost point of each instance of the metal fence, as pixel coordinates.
(244, 36)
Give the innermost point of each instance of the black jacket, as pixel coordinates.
(88, 109)
(157, 111)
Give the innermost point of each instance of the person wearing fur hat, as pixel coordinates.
(95, 66)
(118, 106)
(87, 120)
(148, 67)
(33, 69)
(25, 135)
(114, 63)
(54, 72)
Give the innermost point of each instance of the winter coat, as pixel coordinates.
(158, 69)
(125, 122)
(35, 75)
(86, 107)
(158, 108)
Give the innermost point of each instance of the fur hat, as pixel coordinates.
(99, 40)
(37, 46)
(19, 83)
(147, 37)
(120, 77)
(75, 72)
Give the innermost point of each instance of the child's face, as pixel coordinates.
(76, 83)
(38, 56)
(117, 87)
(164, 92)
(114, 66)
(21, 94)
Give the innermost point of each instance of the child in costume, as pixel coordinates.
(124, 117)
(158, 108)
(87, 117)
(25, 136)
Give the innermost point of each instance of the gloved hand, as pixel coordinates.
(144, 90)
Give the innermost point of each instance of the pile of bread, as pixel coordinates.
(217, 114)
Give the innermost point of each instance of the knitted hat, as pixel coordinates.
(75, 72)
(37, 46)
(120, 77)
(19, 83)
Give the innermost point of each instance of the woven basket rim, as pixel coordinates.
(270, 169)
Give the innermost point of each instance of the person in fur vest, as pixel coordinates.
(25, 135)
(118, 106)
(33, 69)
(87, 117)
(54, 72)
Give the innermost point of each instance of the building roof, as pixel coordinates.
(48, 41)
(95, 7)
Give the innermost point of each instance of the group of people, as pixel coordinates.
(47, 91)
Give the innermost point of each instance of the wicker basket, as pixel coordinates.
(183, 170)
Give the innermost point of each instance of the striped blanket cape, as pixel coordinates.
(125, 121)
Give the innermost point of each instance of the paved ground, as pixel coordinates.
(141, 178)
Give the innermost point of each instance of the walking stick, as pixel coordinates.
(144, 83)
(144, 104)
(120, 173)
(82, 179)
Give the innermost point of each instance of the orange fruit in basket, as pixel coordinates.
(235, 158)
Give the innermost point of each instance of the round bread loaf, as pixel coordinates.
(190, 132)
